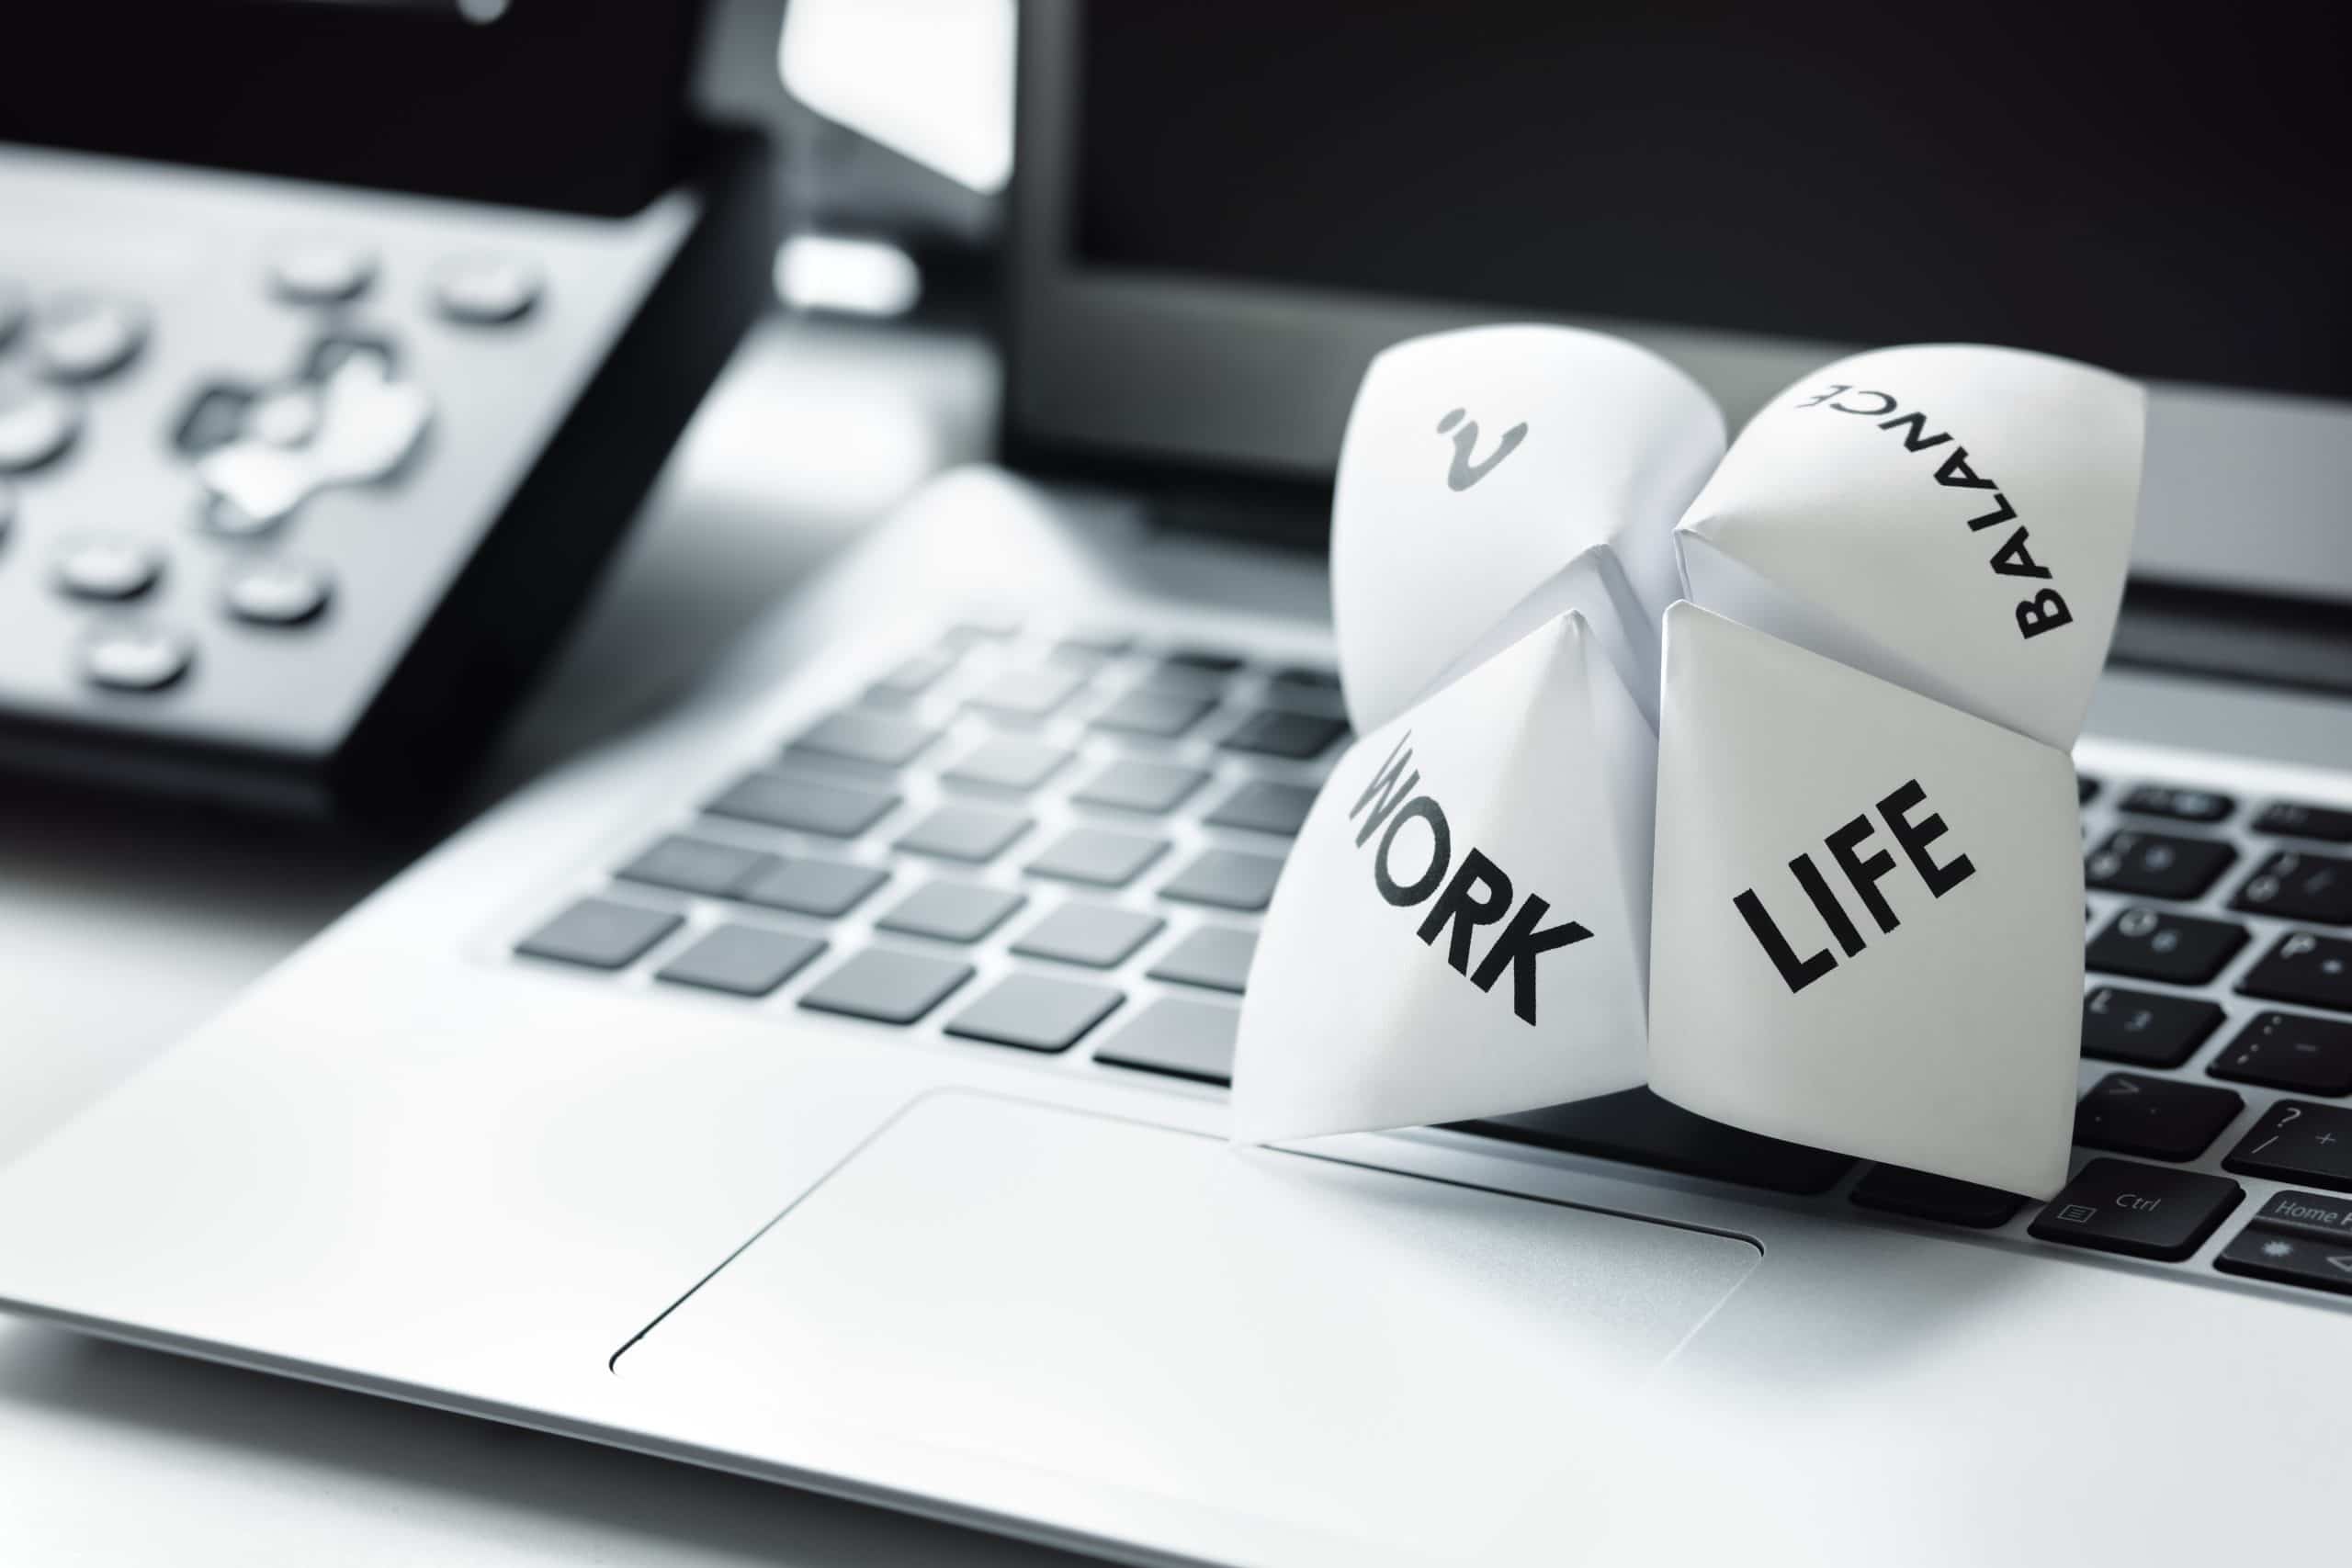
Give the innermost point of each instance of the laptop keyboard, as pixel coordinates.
(1059, 846)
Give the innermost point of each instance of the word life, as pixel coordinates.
(2046, 610)
(1863, 873)
(1478, 894)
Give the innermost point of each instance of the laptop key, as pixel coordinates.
(695, 865)
(825, 807)
(972, 833)
(2157, 944)
(1028, 693)
(2140, 1211)
(2127, 1113)
(1178, 1036)
(745, 961)
(2085, 787)
(2156, 865)
(913, 677)
(1215, 956)
(2181, 804)
(2260, 1254)
(2298, 1140)
(2289, 1050)
(2295, 886)
(2315, 1214)
(2287, 819)
(600, 933)
(1278, 732)
(1006, 762)
(1103, 856)
(2315, 971)
(1230, 879)
(1135, 784)
(1036, 1012)
(887, 985)
(952, 911)
(2147, 1029)
(1264, 806)
(1307, 691)
(1097, 935)
(1151, 711)
(809, 886)
(1638, 1128)
(863, 735)
(1894, 1190)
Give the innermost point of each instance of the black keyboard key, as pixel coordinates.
(2289, 1050)
(1215, 956)
(2261, 1254)
(2085, 787)
(1186, 662)
(695, 865)
(972, 833)
(811, 885)
(2156, 865)
(1151, 711)
(2140, 1211)
(1103, 856)
(1638, 1127)
(1920, 1196)
(1006, 762)
(1097, 935)
(2147, 1029)
(2315, 971)
(1264, 806)
(1028, 693)
(2288, 820)
(1134, 784)
(1180, 1037)
(599, 933)
(863, 735)
(952, 911)
(2298, 1140)
(1230, 879)
(1307, 691)
(2314, 1214)
(887, 985)
(1036, 1012)
(913, 678)
(2296, 885)
(2181, 804)
(746, 961)
(825, 807)
(2157, 944)
(2126, 1113)
(1278, 732)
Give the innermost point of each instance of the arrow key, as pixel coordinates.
(2291, 1260)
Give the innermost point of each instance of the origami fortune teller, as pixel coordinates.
(1743, 775)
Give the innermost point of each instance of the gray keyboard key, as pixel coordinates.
(827, 806)
(952, 911)
(1036, 1012)
(599, 933)
(912, 678)
(747, 961)
(964, 833)
(887, 985)
(695, 865)
(1133, 783)
(813, 886)
(1178, 1036)
(1103, 856)
(1278, 732)
(1097, 935)
(1007, 763)
(1215, 956)
(1231, 879)
(1264, 806)
(862, 735)
(1307, 691)
(1149, 710)
(1028, 693)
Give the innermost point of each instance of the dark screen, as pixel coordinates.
(2159, 189)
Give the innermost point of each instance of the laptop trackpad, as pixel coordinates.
(1162, 1318)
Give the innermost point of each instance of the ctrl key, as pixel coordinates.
(2140, 1211)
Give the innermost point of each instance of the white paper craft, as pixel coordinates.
(1867, 885)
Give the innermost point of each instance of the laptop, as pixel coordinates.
(826, 1083)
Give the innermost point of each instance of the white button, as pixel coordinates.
(320, 272)
(108, 569)
(278, 592)
(36, 422)
(285, 419)
(484, 287)
(85, 337)
(136, 657)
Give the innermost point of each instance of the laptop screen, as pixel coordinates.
(2157, 190)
